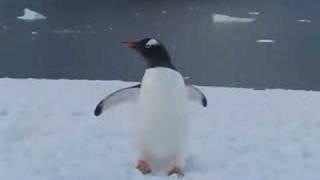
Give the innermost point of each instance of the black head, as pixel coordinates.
(153, 52)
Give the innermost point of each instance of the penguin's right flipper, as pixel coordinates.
(128, 94)
(195, 94)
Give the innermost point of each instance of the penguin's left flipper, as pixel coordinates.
(128, 94)
(195, 94)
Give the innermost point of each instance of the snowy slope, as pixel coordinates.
(48, 132)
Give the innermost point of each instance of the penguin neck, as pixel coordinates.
(166, 65)
(163, 62)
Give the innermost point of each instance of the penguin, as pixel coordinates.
(163, 96)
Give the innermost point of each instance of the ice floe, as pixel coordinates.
(30, 15)
(266, 41)
(254, 13)
(304, 21)
(220, 18)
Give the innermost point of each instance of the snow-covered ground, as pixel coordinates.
(48, 132)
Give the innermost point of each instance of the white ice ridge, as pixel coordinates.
(30, 15)
(266, 41)
(221, 18)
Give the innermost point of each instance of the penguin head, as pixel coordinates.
(153, 52)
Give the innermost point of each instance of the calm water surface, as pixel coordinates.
(81, 40)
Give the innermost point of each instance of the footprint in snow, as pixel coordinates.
(78, 113)
(4, 112)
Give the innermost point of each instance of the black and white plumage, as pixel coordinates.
(131, 94)
(163, 96)
(127, 94)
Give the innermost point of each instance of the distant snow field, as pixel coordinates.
(30, 15)
(221, 18)
(48, 131)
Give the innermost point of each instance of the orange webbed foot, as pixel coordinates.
(143, 167)
(176, 170)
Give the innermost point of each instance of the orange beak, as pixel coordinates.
(128, 44)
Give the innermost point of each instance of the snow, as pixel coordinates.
(30, 15)
(221, 18)
(265, 41)
(48, 131)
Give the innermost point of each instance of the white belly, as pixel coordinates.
(164, 126)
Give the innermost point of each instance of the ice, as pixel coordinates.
(254, 13)
(265, 41)
(304, 21)
(30, 15)
(48, 131)
(220, 18)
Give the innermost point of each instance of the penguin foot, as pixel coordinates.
(176, 171)
(143, 167)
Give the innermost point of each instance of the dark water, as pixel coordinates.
(81, 40)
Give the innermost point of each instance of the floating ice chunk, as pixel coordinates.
(266, 41)
(30, 15)
(254, 13)
(220, 18)
(34, 32)
(304, 21)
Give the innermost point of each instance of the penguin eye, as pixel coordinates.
(148, 46)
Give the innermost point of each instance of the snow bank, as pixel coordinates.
(220, 18)
(30, 15)
(48, 131)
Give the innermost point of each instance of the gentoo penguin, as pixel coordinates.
(163, 97)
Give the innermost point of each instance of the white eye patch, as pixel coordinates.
(152, 42)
